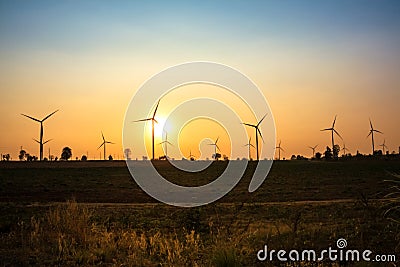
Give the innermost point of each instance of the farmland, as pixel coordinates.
(93, 213)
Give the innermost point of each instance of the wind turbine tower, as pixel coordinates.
(313, 150)
(371, 133)
(41, 131)
(104, 145)
(332, 129)
(152, 119)
(250, 145)
(279, 150)
(384, 146)
(215, 148)
(257, 129)
(166, 142)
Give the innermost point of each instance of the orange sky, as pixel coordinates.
(89, 64)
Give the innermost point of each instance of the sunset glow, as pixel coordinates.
(88, 60)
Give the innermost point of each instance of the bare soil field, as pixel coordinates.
(93, 213)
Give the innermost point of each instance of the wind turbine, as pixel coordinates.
(344, 149)
(257, 132)
(279, 150)
(371, 132)
(43, 144)
(215, 147)
(41, 130)
(332, 129)
(166, 144)
(104, 145)
(191, 157)
(249, 144)
(152, 119)
(383, 146)
(313, 150)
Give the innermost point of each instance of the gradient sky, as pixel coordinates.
(311, 59)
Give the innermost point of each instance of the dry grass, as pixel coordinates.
(72, 234)
(66, 235)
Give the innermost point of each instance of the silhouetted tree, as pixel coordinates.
(318, 155)
(336, 150)
(66, 153)
(110, 158)
(328, 153)
(217, 156)
(6, 157)
(22, 154)
(84, 158)
(293, 157)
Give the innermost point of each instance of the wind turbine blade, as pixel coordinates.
(217, 147)
(327, 129)
(35, 140)
(261, 120)
(282, 149)
(154, 114)
(47, 141)
(102, 135)
(101, 145)
(169, 143)
(378, 131)
(49, 115)
(155, 120)
(251, 125)
(110, 142)
(370, 132)
(370, 123)
(258, 130)
(32, 118)
(216, 140)
(315, 147)
(334, 121)
(149, 119)
(252, 146)
(337, 134)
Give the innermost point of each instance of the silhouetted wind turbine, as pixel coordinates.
(371, 132)
(249, 144)
(191, 157)
(215, 147)
(104, 145)
(279, 150)
(152, 119)
(313, 150)
(332, 129)
(344, 149)
(41, 130)
(257, 132)
(166, 144)
(383, 146)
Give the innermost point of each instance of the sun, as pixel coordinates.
(159, 127)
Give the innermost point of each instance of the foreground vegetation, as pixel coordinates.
(226, 233)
